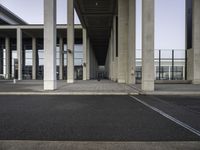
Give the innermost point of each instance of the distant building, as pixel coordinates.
(9, 18)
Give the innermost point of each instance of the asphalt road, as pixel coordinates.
(88, 118)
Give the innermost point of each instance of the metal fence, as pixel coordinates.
(169, 64)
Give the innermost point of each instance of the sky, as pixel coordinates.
(169, 19)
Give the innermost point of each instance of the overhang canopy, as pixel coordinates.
(97, 16)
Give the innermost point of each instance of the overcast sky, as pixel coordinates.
(169, 19)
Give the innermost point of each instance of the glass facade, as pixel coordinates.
(27, 62)
(169, 64)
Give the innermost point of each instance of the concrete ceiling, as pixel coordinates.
(97, 16)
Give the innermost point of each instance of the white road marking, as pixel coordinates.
(184, 125)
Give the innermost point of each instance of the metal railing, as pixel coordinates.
(169, 64)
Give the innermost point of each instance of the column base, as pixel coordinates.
(19, 79)
(7, 76)
(121, 81)
(70, 81)
(196, 81)
(148, 86)
(50, 85)
(132, 80)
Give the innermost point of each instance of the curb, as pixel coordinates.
(67, 93)
(172, 93)
(63, 145)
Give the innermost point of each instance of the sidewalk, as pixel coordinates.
(170, 89)
(91, 87)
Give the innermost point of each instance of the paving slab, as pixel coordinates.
(90, 87)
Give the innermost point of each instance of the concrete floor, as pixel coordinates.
(93, 87)
(82, 87)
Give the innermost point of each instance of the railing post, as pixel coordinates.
(172, 64)
(159, 63)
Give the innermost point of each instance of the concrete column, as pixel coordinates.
(115, 67)
(92, 61)
(50, 82)
(34, 60)
(70, 41)
(112, 55)
(19, 53)
(85, 54)
(122, 40)
(88, 59)
(148, 45)
(61, 67)
(96, 66)
(1, 59)
(7, 47)
(131, 42)
(196, 42)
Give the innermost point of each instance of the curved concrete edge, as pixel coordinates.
(68, 93)
(70, 145)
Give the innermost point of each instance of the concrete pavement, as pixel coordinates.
(94, 87)
(90, 87)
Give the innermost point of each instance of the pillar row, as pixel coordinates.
(148, 45)
(50, 82)
(115, 64)
(131, 42)
(70, 41)
(122, 40)
(85, 58)
(8, 57)
(19, 53)
(196, 43)
(34, 58)
(1, 59)
(88, 59)
(61, 65)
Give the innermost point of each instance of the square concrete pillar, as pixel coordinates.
(85, 49)
(196, 42)
(122, 40)
(131, 42)
(50, 82)
(19, 53)
(1, 59)
(115, 67)
(148, 45)
(34, 60)
(70, 41)
(61, 66)
(88, 59)
(111, 55)
(8, 53)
